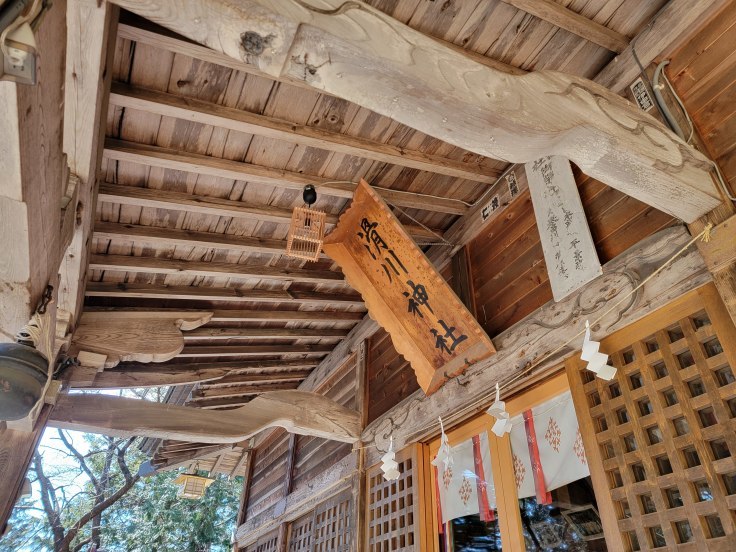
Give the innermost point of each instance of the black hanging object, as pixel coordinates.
(309, 195)
(23, 373)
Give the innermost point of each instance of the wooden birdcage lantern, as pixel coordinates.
(307, 230)
(192, 485)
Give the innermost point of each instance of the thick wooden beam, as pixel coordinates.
(207, 113)
(215, 206)
(143, 291)
(673, 25)
(91, 30)
(295, 411)
(237, 170)
(257, 379)
(171, 236)
(547, 329)
(133, 375)
(212, 334)
(339, 48)
(285, 315)
(158, 265)
(203, 351)
(240, 390)
(567, 19)
(33, 179)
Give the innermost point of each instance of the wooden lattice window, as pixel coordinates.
(393, 507)
(300, 537)
(332, 524)
(267, 543)
(666, 439)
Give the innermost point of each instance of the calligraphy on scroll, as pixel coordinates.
(569, 251)
(404, 293)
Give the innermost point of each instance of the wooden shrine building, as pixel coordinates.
(491, 176)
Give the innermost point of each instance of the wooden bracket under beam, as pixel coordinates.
(133, 336)
(340, 47)
(296, 411)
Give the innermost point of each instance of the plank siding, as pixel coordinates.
(507, 264)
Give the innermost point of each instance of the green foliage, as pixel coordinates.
(150, 517)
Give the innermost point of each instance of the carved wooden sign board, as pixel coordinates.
(404, 293)
(569, 251)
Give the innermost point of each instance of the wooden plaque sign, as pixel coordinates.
(569, 251)
(404, 293)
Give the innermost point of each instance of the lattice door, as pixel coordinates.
(393, 508)
(300, 537)
(267, 543)
(332, 524)
(665, 427)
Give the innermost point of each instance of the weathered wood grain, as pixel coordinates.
(340, 48)
(252, 123)
(91, 29)
(101, 289)
(428, 324)
(572, 21)
(167, 158)
(143, 339)
(295, 411)
(547, 329)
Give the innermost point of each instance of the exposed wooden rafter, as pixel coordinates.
(469, 105)
(203, 351)
(567, 19)
(191, 109)
(142, 291)
(247, 388)
(271, 333)
(133, 375)
(158, 265)
(215, 206)
(172, 236)
(165, 158)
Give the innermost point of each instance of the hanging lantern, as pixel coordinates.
(191, 485)
(307, 230)
(23, 375)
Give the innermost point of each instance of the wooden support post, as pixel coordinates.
(338, 48)
(90, 48)
(33, 179)
(462, 283)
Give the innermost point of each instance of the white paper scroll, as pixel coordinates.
(569, 251)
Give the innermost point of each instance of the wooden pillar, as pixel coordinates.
(359, 482)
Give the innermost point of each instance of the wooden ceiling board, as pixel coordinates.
(488, 27)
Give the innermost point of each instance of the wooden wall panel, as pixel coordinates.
(314, 455)
(507, 264)
(390, 377)
(267, 543)
(703, 71)
(269, 471)
(665, 426)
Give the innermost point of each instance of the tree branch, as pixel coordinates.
(80, 459)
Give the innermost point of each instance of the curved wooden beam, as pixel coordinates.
(296, 411)
(359, 53)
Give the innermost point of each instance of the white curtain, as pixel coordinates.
(559, 443)
(458, 483)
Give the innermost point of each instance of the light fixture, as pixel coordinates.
(597, 361)
(307, 230)
(191, 485)
(23, 375)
